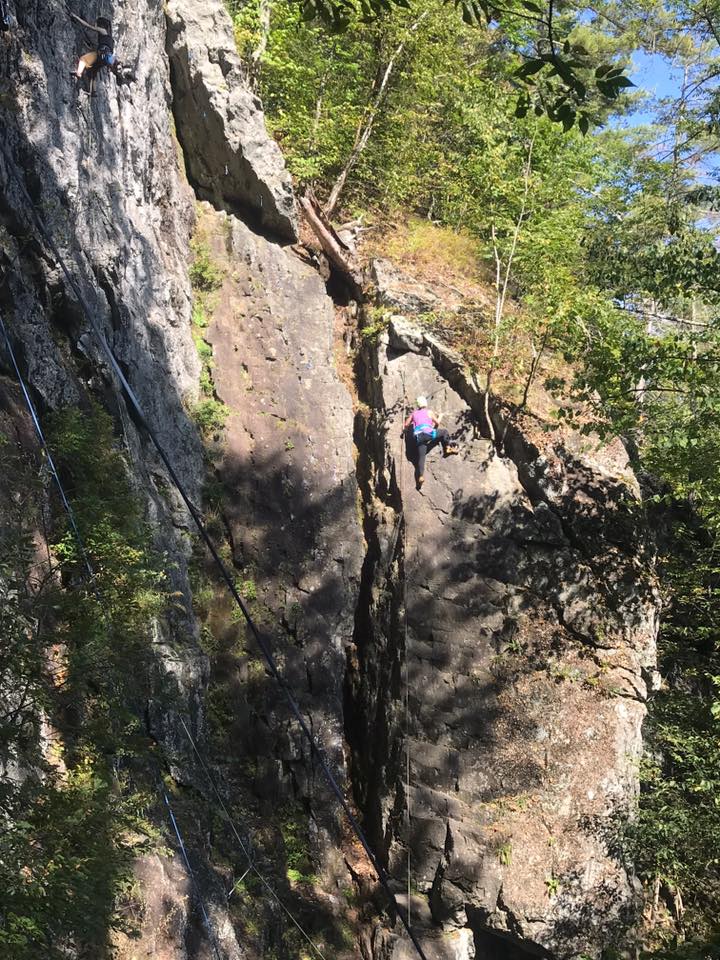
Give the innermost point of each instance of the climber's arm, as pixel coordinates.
(90, 26)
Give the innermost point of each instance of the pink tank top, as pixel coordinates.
(422, 421)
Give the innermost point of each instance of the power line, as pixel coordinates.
(262, 644)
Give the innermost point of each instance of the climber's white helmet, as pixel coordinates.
(421, 401)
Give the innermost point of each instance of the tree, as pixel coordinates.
(540, 32)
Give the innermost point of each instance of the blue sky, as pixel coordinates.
(653, 74)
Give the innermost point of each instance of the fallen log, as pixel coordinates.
(337, 252)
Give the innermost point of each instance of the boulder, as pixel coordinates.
(230, 159)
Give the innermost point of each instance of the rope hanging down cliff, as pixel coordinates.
(252, 866)
(263, 646)
(93, 581)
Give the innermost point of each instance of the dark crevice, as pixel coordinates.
(340, 289)
(373, 678)
(196, 167)
(491, 945)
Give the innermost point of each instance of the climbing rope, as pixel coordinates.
(191, 874)
(46, 450)
(403, 458)
(252, 866)
(91, 574)
(93, 580)
(406, 655)
(316, 751)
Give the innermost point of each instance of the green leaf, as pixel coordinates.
(529, 68)
(565, 71)
(621, 82)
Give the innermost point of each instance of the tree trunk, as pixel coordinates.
(256, 55)
(364, 128)
(335, 250)
(502, 284)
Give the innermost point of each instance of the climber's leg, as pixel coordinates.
(86, 62)
(423, 442)
(443, 437)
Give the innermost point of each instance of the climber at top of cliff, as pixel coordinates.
(427, 432)
(90, 63)
(4, 16)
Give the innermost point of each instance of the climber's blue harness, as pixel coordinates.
(107, 57)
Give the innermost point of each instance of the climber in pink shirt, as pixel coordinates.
(427, 432)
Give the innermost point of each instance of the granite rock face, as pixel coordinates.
(515, 686)
(103, 173)
(502, 665)
(290, 504)
(230, 159)
(106, 177)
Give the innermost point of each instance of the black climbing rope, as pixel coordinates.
(252, 866)
(316, 751)
(46, 450)
(191, 874)
(93, 581)
(91, 575)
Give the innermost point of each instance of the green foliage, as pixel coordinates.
(375, 321)
(293, 828)
(505, 853)
(565, 73)
(205, 275)
(77, 655)
(651, 372)
(210, 416)
(209, 413)
(65, 861)
(106, 628)
(450, 96)
(675, 838)
(552, 886)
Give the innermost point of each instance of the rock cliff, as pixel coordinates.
(503, 653)
(473, 657)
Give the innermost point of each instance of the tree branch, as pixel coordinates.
(365, 126)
